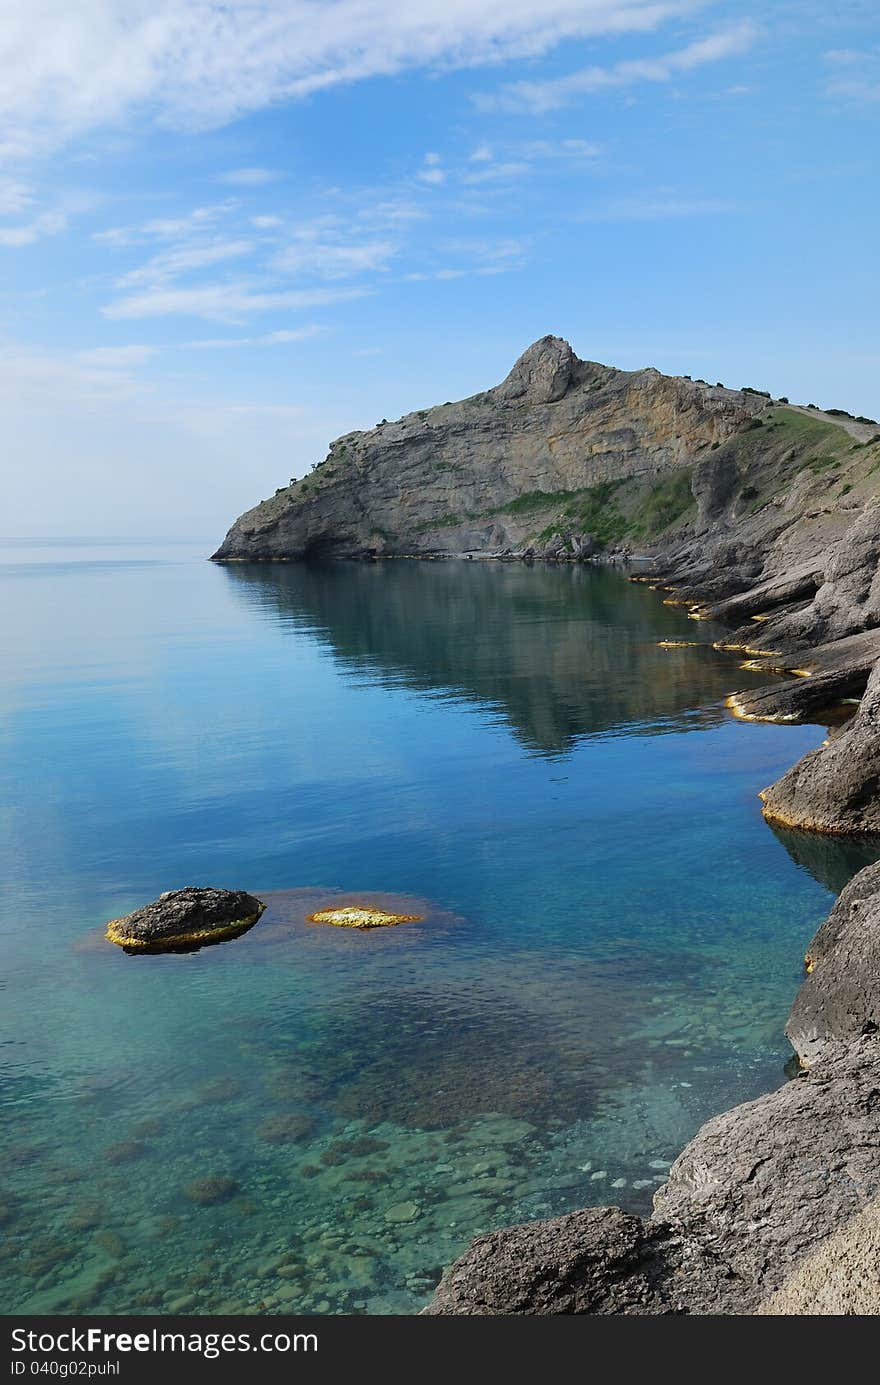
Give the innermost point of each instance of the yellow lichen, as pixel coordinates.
(679, 644)
(735, 706)
(353, 916)
(728, 648)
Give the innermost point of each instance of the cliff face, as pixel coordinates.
(561, 449)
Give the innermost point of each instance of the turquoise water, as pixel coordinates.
(311, 1119)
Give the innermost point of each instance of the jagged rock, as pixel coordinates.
(758, 1190)
(842, 1278)
(715, 482)
(186, 919)
(837, 787)
(786, 586)
(840, 999)
(541, 375)
(600, 1260)
(763, 1185)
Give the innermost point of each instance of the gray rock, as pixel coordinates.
(840, 999)
(184, 919)
(841, 1279)
(759, 1190)
(837, 787)
(600, 1260)
(542, 374)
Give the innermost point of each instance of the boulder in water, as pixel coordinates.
(183, 920)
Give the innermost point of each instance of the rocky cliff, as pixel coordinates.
(563, 454)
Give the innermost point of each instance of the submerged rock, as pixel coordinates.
(182, 920)
(352, 916)
(215, 1188)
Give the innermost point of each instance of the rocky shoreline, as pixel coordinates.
(762, 516)
(774, 1207)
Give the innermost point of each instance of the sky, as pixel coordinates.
(230, 232)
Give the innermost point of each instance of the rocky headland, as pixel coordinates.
(761, 516)
(757, 513)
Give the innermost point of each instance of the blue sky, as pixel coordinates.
(231, 232)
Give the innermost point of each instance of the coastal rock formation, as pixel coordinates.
(842, 1278)
(840, 999)
(181, 920)
(562, 454)
(837, 787)
(758, 1191)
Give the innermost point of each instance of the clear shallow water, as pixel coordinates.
(611, 942)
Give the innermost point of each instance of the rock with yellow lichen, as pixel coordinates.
(186, 919)
(357, 916)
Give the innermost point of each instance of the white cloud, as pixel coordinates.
(659, 208)
(539, 97)
(497, 173)
(266, 223)
(324, 249)
(221, 302)
(116, 357)
(856, 74)
(283, 337)
(248, 177)
(198, 64)
(197, 221)
(433, 176)
(171, 264)
(48, 224)
(15, 197)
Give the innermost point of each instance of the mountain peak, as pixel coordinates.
(542, 373)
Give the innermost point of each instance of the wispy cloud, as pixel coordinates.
(199, 64)
(15, 197)
(198, 221)
(227, 302)
(657, 208)
(249, 177)
(539, 97)
(327, 249)
(116, 357)
(855, 74)
(171, 264)
(47, 224)
(283, 337)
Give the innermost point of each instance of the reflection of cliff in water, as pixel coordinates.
(562, 652)
(831, 860)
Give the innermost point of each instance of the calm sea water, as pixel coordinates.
(315, 1119)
